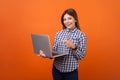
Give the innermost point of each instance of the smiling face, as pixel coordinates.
(69, 21)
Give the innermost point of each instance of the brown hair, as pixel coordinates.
(72, 13)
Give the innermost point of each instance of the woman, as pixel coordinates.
(72, 40)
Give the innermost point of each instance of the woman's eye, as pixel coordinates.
(69, 18)
(64, 19)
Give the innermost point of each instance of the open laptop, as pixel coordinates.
(42, 42)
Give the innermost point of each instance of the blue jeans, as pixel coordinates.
(57, 75)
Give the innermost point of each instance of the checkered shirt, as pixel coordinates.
(69, 62)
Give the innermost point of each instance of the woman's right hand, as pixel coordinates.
(41, 54)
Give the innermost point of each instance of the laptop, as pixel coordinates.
(42, 42)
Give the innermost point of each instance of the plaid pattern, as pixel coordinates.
(69, 62)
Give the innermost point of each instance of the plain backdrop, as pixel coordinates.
(99, 19)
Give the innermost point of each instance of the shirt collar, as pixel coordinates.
(72, 30)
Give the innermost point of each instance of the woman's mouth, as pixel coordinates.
(68, 24)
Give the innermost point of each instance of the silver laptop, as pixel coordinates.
(42, 42)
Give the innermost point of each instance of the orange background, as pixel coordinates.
(99, 19)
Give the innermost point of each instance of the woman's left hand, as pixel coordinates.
(69, 43)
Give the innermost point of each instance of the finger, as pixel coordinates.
(39, 51)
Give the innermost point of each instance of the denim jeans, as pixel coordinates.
(57, 75)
